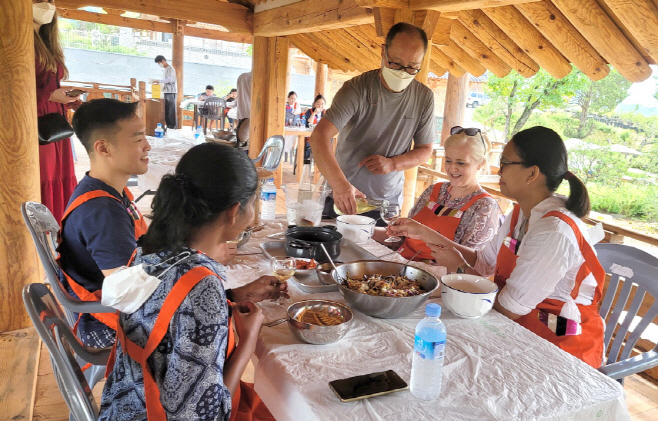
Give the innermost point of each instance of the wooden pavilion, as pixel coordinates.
(467, 36)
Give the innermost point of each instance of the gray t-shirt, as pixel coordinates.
(372, 120)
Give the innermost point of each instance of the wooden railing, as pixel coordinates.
(98, 90)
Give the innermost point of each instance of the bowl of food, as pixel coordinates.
(319, 322)
(378, 289)
(305, 267)
(468, 296)
(323, 271)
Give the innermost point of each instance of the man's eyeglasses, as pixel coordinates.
(397, 66)
(503, 164)
(470, 131)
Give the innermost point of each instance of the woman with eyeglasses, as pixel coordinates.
(459, 209)
(542, 259)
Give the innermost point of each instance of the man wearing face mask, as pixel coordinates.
(378, 114)
(170, 91)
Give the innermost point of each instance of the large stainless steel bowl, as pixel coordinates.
(315, 334)
(383, 307)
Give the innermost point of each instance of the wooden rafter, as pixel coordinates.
(479, 51)
(517, 27)
(632, 9)
(319, 54)
(463, 59)
(442, 60)
(439, 5)
(234, 17)
(334, 46)
(310, 15)
(384, 18)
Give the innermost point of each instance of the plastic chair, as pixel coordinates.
(213, 109)
(635, 267)
(271, 153)
(44, 228)
(61, 343)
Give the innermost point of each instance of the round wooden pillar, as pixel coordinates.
(19, 160)
(321, 76)
(455, 104)
(178, 52)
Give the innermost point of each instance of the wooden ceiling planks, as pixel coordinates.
(316, 52)
(329, 45)
(479, 51)
(498, 42)
(462, 58)
(442, 60)
(644, 30)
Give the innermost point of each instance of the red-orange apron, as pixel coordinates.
(246, 405)
(439, 218)
(588, 345)
(108, 319)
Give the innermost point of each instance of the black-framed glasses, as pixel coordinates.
(503, 164)
(469, 131)
(397, 66)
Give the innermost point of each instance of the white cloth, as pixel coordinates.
(244, 95)
(169, 85)
(127, 288)
(548, 260)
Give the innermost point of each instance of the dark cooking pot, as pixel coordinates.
(304, 242)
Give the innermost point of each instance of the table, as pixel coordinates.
(163, 159)
(197, 104)
(301, 133)
(494, 368)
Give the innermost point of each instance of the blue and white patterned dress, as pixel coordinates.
(188, 364)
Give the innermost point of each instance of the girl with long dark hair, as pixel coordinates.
(542, 258)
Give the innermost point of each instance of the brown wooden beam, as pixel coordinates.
(329, 47)
(441, 35)
(445, 62)
(234, 17)
(459, 5)
(207, 33)
(497, 41)
(476, 49)
(565, 37)
(321, 78)
(177, 60)
(462, 58)
(19, 161)
(595, 25)
(317, 53)
(455, 104)
(517, 27)
(384, 18)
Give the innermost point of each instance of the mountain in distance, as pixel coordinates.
(637, 108)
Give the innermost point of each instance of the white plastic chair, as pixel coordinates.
(271, 153)
(61, 343)
(637, 267)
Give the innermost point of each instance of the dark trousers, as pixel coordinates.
(170, 110)
(330, 213)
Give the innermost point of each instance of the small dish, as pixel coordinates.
(305, 272)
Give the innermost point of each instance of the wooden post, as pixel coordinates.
(268, 94)
(321, 77)
(178, 51)
(142, 101)
(455, 104)
(19, 161)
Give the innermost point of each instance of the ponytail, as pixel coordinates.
(578, 201)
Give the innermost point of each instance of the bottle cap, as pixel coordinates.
(433, 310)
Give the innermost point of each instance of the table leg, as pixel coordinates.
(300, 157)
(196, 117)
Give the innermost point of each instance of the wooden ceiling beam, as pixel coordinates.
(234, 17)
(463, 59)
(384, 19)
(446, 62)
(370, 55)
(478, 50)
(207, 33)
(597, 27)
(565, 37)
(310, 15)
(526, 36)
(441, 35)
(497, 41)
(437, 69)
(643, 29)
(439, 5)
(335, 46)
(317, 53)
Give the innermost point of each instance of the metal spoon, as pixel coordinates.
(275, 322)
(343, 280)
(405, 265)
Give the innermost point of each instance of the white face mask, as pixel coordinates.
(161, 64)
(397, 80)
(43, 13)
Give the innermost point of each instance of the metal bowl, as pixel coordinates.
(223, 135)
(323, 271)
(315, 334)
(383, 307)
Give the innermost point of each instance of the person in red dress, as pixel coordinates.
(56, 159)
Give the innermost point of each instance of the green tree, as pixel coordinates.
(517, 97)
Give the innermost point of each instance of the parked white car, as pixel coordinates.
(476, 99)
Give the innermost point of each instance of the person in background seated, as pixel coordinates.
(193, 366)
(313, 115)
(459, 209)
(292, 109)
(231, 106)
(542, 259)
(209, 92)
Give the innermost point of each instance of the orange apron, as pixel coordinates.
(246, 405)
(441, 219)
(588, 345)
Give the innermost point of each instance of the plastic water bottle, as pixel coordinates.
(198, 135)
(159, 136)
(429, 350)
(304, 121)
(268, 200)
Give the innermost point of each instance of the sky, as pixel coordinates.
(642, 93)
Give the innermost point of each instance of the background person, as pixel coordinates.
(230, 99)
(169, 90)
(314, 114)
(56, 168)
(377, 115)
(208, 93)
(293, 110)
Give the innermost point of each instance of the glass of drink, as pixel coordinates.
(390, 215)
(282, 269)
(236, 241)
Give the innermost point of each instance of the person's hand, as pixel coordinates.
(378, 164)
(449, 257)
(248, 319)
(263, 288)
(59, 95)
(74, 105)
(408, 228)
(223, 253)
(345, 199)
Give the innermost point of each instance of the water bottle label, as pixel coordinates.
(429, 350)
(268, 195)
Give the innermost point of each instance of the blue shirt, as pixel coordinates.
(98, 235)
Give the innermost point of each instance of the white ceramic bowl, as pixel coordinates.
(468, 296)
(356, 228)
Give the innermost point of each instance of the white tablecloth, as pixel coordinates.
(494, 368)
(163, 159)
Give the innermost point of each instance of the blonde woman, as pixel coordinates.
(459, 208)
(55, 159)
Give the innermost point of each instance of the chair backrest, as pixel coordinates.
(57, 336)
(213, 108)
(627, 267)
(271, 153)
(44, 228)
